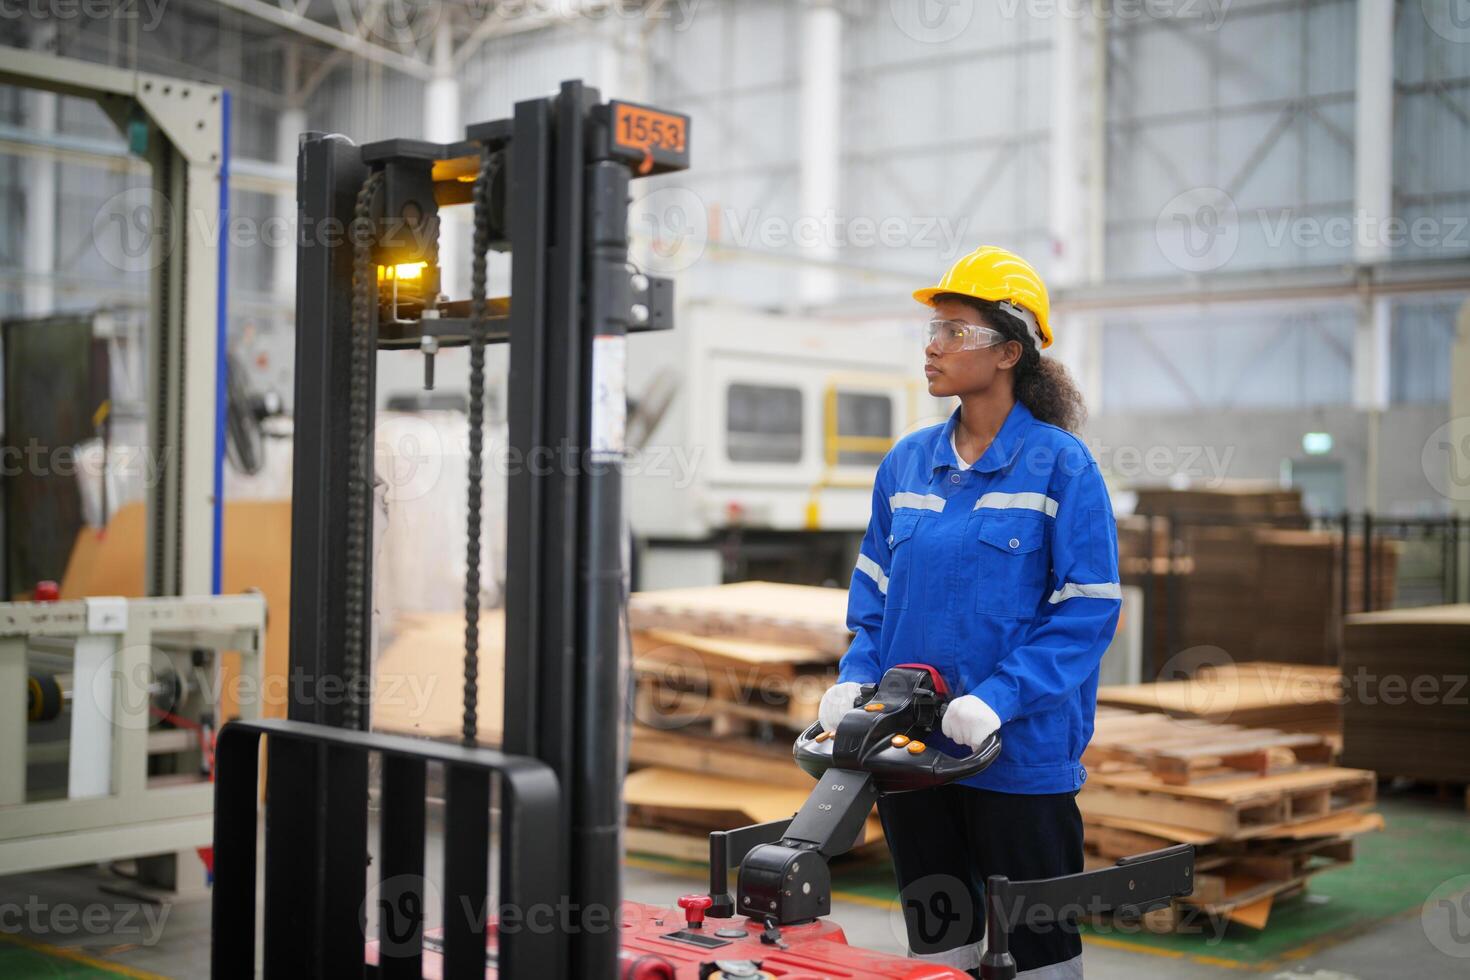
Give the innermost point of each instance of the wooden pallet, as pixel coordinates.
(1182, 750)
(1232, 806)
(723, 713)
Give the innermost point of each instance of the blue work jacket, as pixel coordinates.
(1003, 577)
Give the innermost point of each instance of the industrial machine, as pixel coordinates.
(550, 185)
(757, 435)
(106, 702)
(118, 699)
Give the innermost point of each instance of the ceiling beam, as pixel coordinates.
(330, 36)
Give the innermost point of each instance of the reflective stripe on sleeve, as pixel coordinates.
(916, 501)
(874, 571)
(1090, 590)
(1019, 501)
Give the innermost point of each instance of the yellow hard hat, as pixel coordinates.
(997, 275)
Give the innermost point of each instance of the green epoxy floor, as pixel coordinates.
(22, 961)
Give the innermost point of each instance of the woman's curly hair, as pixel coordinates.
(1043, 385)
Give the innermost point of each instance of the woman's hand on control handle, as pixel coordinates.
(836, 703)
(969, 721)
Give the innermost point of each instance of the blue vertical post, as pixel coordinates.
(221, 338)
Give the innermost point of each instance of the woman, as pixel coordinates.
(991, 555)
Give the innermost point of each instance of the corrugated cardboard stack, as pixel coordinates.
(1407, 710)
(1234, 499)
(1240, 580)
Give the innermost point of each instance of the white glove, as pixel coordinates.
(836, 703)
(969, 721)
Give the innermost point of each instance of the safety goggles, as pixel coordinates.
(953, 336)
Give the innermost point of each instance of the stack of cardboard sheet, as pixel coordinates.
(1262, 807)
(1407, 710)
(418, 679)
(1292, 697)
(726, 677)
(1232, 499)
(1253, 590)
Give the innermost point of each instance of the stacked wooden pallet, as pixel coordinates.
(1407, 711)
(1292, 697)
(1264, 808)
(726, 676)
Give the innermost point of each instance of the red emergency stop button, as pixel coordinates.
(47, 591)
(694, 906)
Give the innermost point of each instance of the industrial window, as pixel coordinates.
(864, 428)
(762, 424)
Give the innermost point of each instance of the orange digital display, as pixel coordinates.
(649, 131)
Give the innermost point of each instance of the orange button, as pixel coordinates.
(874, 706)
(916, 747)
(899, 741)
(823, 736)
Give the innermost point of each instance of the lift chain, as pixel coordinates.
(478, 309)
(359, 482)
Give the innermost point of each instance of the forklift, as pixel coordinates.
(549, 185)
